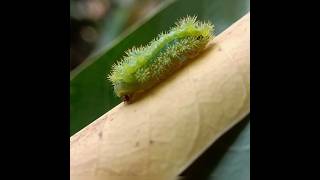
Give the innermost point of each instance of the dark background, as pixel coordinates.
(95, 23)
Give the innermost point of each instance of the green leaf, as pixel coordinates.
(227, 159)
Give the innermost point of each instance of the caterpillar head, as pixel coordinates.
(124, 89)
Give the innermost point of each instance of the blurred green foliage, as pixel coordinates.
(95, 23)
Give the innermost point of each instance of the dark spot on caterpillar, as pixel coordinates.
(126, 98)
(137, 144)
(200, 37)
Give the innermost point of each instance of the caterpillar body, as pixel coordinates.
(146, 66)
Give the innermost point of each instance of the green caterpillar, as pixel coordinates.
(145, 66)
